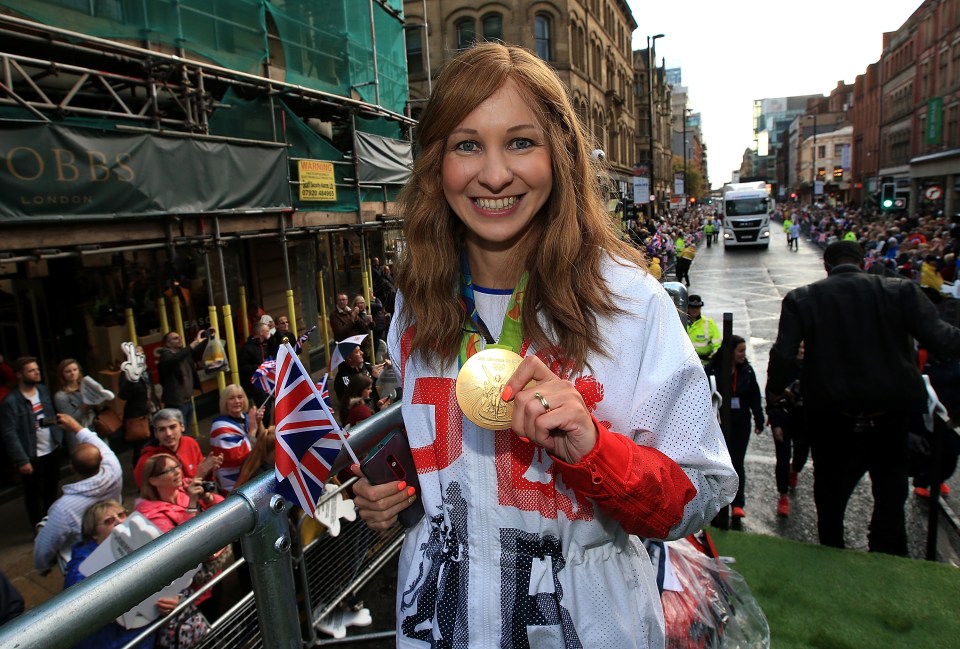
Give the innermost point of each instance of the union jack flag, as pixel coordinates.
(308, 437)
(302, 339)
(265, 376)
(325, 391)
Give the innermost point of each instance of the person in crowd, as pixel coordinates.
(261, 459)
(684, 261)
(168, 430)
(98, 521)
(506, 226)
(232, 435)
(860, 385)
(793, 237)
(8, 378)
(708, 231)
(745, 401)
(168, 499)
(789, 438)
(702, 331)
(354, 365)
(69, 399)
(253, 315)
(178, 374)
(11, 601)
(271, 325)
(355, 404)
(945, 380)
(276, 339)
(251, 356)
(140, 399)
(381, 320)
(100, 477)
(346, 320)
(655, 269)
(32, 438)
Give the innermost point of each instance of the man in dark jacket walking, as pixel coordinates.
(861, 383)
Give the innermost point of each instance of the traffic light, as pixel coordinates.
(887, 198)
(693, 200)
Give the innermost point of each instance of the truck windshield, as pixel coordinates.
(745, 206)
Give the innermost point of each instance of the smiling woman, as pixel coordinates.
(553, 402)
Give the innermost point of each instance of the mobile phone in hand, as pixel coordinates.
(390, 461)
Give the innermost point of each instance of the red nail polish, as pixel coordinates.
(507, 393)
(411, 491)
(401, 486)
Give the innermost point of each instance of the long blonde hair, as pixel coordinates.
(568, 240)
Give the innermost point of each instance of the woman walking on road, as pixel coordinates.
(744, 400)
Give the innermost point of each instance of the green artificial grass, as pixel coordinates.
(824, 598)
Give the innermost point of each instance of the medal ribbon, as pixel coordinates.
(511, 335)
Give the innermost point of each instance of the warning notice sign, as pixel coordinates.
(317, 182)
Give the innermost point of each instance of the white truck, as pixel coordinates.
(746, 214)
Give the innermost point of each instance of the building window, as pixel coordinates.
(837, 150)
(822, 151)
(837, 174)
(415, 50)
(466, 33)
(541, 33)
(493, 27)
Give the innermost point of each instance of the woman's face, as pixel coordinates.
(169, 478)
(71, 373)
(496, 170)
(108, 520)
(367, 392)
(740, 354)
(235, 405)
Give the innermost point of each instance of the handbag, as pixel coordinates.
(107, 422)
(136, 429)
(186, 629)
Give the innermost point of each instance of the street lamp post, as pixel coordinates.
(813, 163)
(686, 189)
(651, 46)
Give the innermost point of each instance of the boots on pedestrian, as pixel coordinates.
(738, 512)
(783, 506)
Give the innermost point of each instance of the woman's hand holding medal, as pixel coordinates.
(550, 413)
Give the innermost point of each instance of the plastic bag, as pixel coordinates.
(214, 358)
(706, 604)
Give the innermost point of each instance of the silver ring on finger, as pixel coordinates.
(543, 402)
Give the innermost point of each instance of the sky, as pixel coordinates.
(731, 53)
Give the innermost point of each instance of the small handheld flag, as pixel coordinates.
(308, 436)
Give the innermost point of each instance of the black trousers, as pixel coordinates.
(842, 453)
(737, 443)
(40, 488)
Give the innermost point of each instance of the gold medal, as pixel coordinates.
(479, 384)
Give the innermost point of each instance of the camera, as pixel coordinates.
(209, 486)
(47, 422)
(209, 333)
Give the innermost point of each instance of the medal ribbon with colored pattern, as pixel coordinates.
(511, 335)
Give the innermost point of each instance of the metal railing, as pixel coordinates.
(328, 570)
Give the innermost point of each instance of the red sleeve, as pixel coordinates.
(190, 456)
(638, 486)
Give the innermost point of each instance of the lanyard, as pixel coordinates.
(511, 335)
(734, 387)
